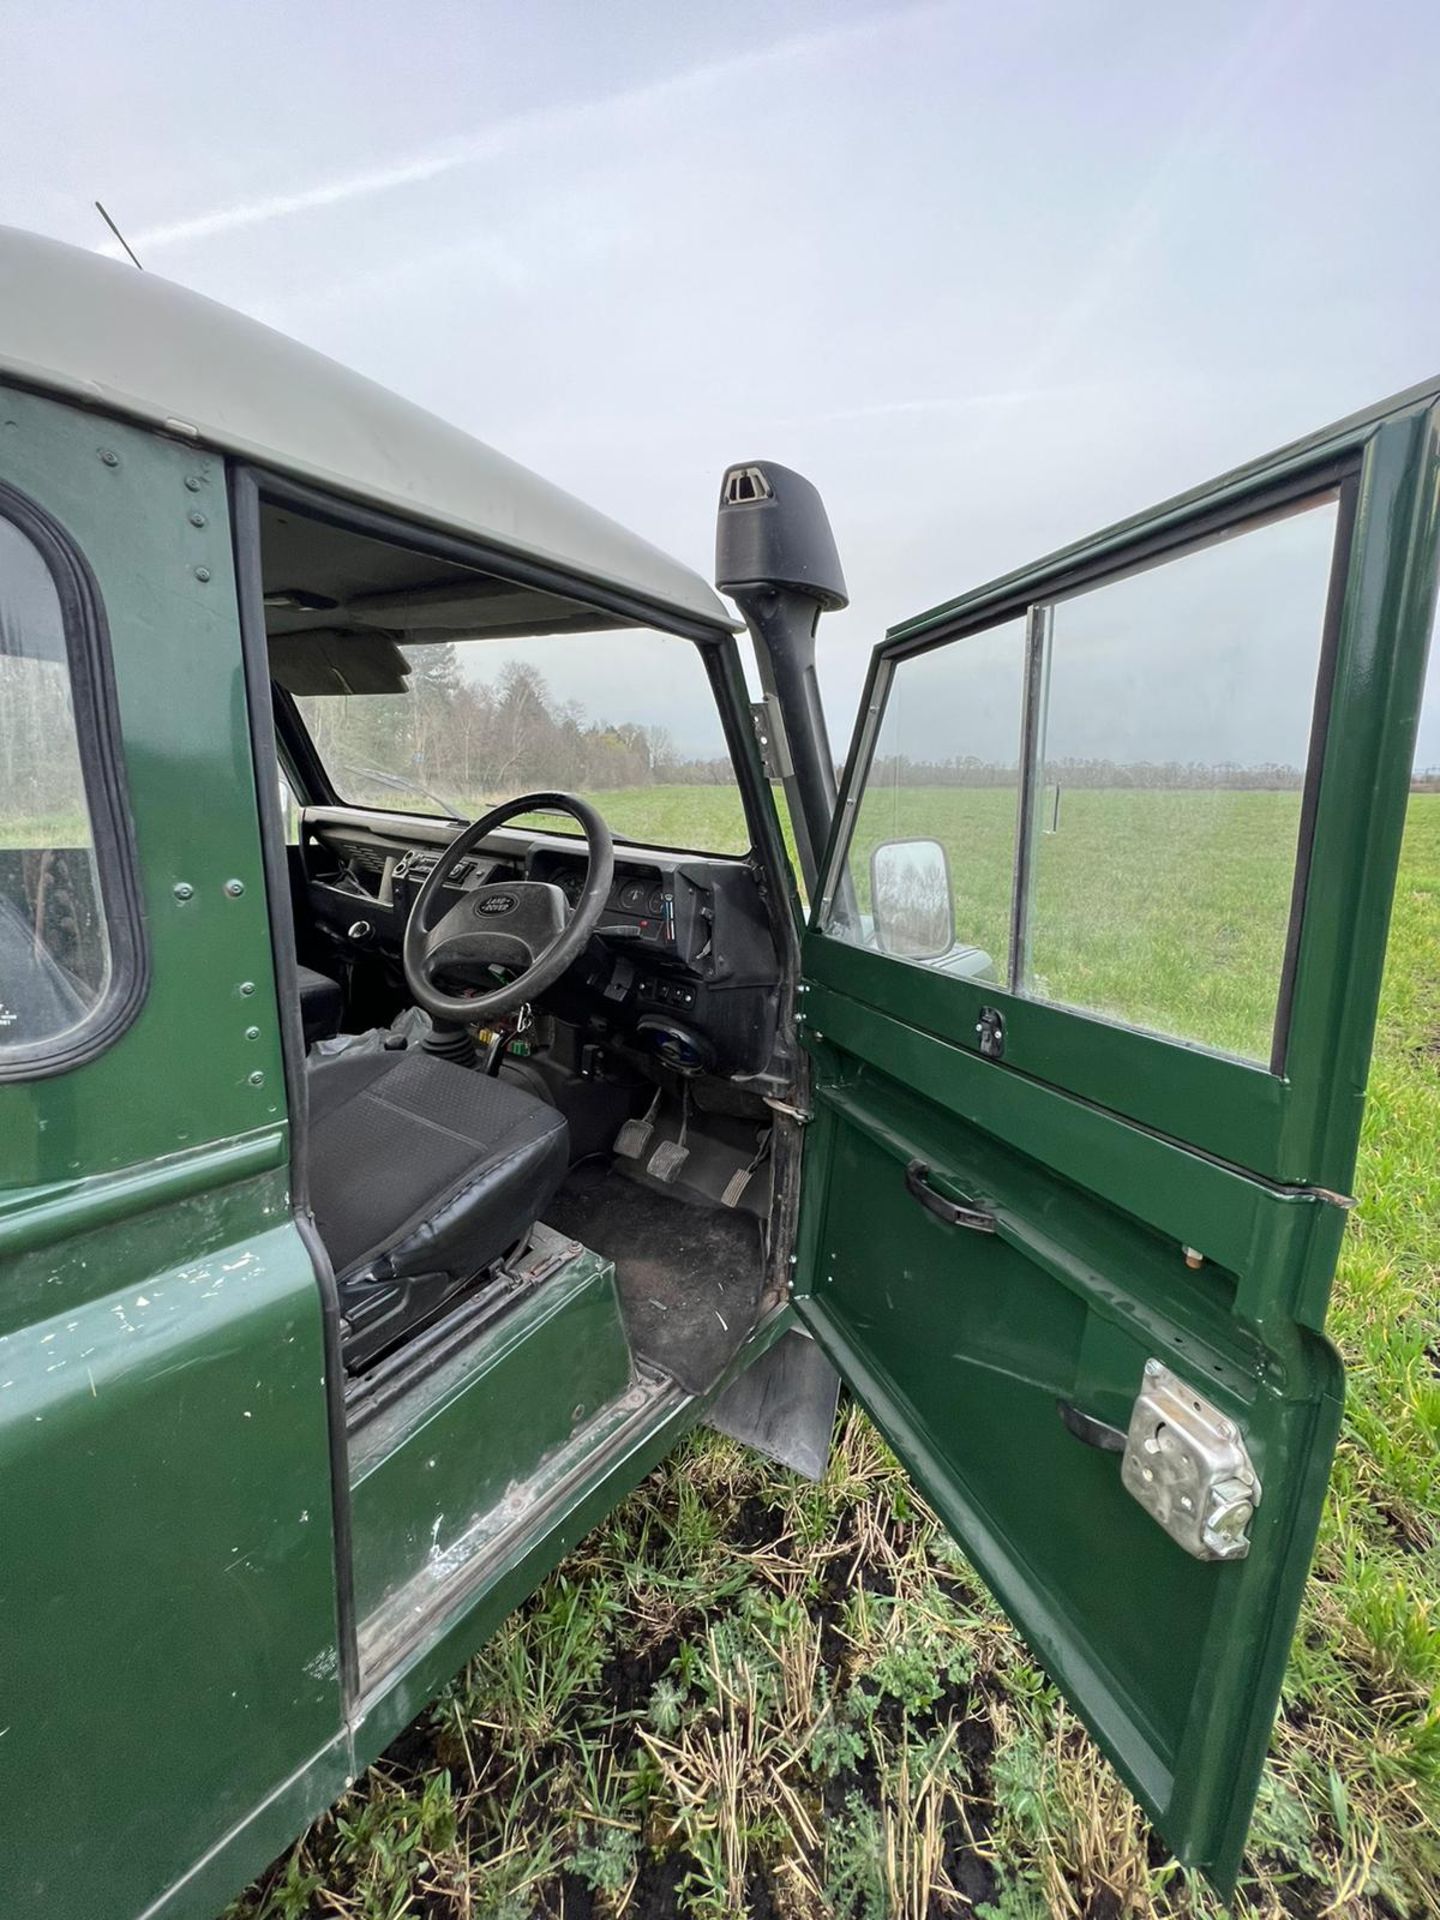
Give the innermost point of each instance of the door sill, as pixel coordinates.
(419, 1611)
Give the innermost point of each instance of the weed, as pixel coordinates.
(606, 1859)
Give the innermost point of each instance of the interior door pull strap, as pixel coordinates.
(953, 1212)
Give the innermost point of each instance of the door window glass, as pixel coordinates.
(1173, 735)
(55, 958)
(1117, 783)
(946, 769)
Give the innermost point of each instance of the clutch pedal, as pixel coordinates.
(635, 1135)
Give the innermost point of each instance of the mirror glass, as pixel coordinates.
(910, 899)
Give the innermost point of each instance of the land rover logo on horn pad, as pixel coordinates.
(497, 903)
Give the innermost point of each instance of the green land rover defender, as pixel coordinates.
(424, 1094)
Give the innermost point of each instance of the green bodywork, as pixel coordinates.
(426, 1470)
(1106, 1155)
(185, 1680)
(169, 1589)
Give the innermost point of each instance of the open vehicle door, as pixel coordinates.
(1089, 998)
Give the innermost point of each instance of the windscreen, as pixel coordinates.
(627, 720)
(431, 685)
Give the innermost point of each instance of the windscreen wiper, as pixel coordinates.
(400, 784)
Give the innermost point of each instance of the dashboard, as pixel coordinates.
(642, 900)
(682, 965)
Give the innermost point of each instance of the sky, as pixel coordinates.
(992, 277)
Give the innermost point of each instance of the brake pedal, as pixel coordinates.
(667, 1160)
(634, 1135)
(670, 1156)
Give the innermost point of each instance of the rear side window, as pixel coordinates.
(68, 953)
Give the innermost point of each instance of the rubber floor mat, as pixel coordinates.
(689, 1276)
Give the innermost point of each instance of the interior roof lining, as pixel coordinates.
(368, 583)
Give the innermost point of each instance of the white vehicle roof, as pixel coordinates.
(74, 323)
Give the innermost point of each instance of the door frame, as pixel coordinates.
(1299, 1125)
(260, 717)
(250, 488)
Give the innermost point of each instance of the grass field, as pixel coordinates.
(747, 1694)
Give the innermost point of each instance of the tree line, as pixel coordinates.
(458, 738)
(969, 771)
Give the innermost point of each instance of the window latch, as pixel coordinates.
(990, 1031)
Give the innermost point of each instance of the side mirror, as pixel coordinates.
(910, 899)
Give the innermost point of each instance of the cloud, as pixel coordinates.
(538, 125)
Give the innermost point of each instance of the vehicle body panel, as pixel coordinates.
(517, 1393)
(169, 1602)
(514, 1573)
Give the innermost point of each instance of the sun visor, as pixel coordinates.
(329, 660)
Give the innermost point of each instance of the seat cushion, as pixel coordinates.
(421, 1167)
(321, 1004)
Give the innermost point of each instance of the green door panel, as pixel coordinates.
(965, 1345)
(1148, 1201)
(167, 1599)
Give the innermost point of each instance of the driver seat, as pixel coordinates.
(423, 1176)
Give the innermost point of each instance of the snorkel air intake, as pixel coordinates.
(775, 556)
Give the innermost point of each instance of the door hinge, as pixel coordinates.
(799, 1115)
(1186, 1463)
(770, 737)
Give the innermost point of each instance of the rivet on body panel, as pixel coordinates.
(183, 890)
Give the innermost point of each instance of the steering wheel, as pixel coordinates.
(525, 925)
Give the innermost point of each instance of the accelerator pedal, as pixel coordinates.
(635, 1135)
(735, 1187)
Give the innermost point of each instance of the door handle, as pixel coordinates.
(1090, 1431)
(953, 1212)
